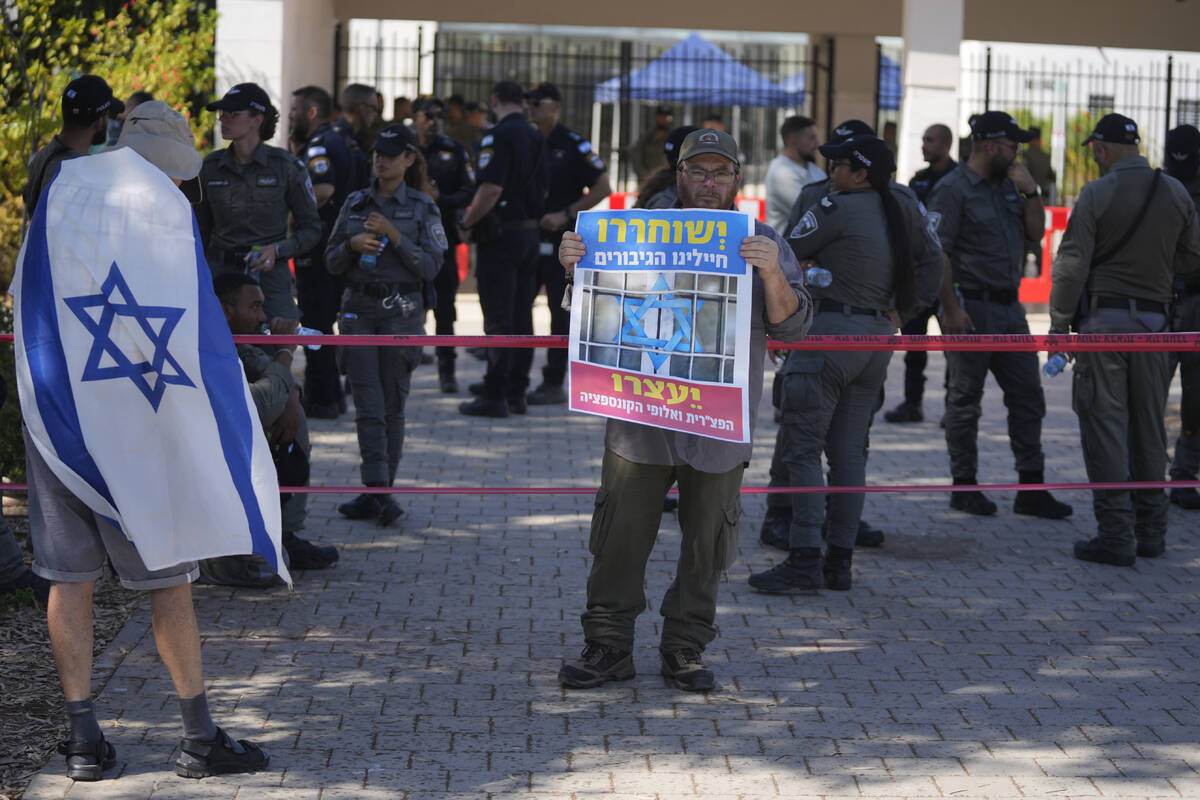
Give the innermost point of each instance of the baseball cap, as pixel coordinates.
(674, 140)
(708, 140)
(243, 97)
(1114, 129)
(849, 129)
(427, 101)
(544, 91)
(87, 98)
(868, 152)
(999, 125)
(394, 140)
(660, 111)
(160, 134)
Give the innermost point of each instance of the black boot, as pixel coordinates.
(971, 502)
(1038, 502)
(303, 554)
(837, 568)
(800, 573)
(365, 506)
(446, 380)
(776, 527)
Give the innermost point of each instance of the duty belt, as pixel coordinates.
(380, 290)
(834, 307)
(1004, 297)
(1133, 304)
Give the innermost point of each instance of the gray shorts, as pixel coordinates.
(70, 541)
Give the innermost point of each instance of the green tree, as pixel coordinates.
(165, 48)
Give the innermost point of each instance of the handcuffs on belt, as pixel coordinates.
(401, 301)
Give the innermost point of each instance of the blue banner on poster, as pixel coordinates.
(693, 239)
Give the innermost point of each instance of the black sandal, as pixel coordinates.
(88, 761)
(201, 759)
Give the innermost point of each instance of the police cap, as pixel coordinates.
(544, 91)
(999, 125)
(867, 152)
(849, 129)
(674, 140)
(1114, 129)
(243, 97)
(394, 140)
(87, 98)
(426, 102)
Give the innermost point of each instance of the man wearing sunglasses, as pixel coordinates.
(452, 176)
(985, 212)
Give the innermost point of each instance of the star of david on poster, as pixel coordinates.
(681, 340)
(107, 361)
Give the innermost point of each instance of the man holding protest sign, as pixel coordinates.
(642, 461)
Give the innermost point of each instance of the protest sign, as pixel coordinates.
(660, 320)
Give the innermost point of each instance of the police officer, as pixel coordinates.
(453, 177)
(860, 233)
(331, 170)
(249, 188)
(87, 106)
(1114, 273)
(935, 148)
(578, 181)
(359, 114)
(504, 220)
(777, 523)
(1183, 163)
(658, 191)
(984, 212)
(401, 228)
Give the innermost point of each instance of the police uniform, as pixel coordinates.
(247, 205)
(981, 225)
(829, 398)
(451, 172)
(330, 163)
(359, 156)
(385, 301)
(42, 169)
(574, 167)
(1120, 397)
(922, 184)
(1186, 462)
(512, 156)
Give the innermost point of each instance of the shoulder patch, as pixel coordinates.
(486, 141)
(828, 203)
(485, 157)
(314, 151)
(575, 136)
(439, 234)
(932, 221)
(595, 161)
(585, 147)
(806, 226)
(319, 165)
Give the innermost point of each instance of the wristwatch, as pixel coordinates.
(1037, 192)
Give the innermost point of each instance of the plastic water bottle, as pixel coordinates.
(368, 261)
(818, 276)
(1055, 364)
(265, 330)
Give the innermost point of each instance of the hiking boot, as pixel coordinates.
(1151, 549)
(598, 664)
(905, 412)
(447, 383)
(548, 394)
(517, 404)
(88, 761)
(365, 506)
(836, 569)
(482, 407)
(221, 756)
(776, 528)
(476, 388)
(1092, 550)
(1186, 497)
(685, 669)
(303, 554)
(972, 503)
(868, 536)
(799, 573)
(389, 512)
(39, 586)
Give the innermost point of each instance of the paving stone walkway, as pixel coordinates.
(974, 658)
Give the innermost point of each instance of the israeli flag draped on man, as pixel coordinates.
(130, 384)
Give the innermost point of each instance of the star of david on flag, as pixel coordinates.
(106, 360)
(634, 331)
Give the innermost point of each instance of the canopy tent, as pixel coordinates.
(890, 90)
(697, 71)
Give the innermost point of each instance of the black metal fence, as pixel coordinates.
(609, 95)
(1065, 99)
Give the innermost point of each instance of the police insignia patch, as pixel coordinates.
(932, 220)
(319, 166)
(485, 156)
(596, 162)
(439, 235)
(827, 202)
(585, 147)
(486, 141)
(807, 225)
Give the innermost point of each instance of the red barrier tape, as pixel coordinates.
(571, 490)
(987, 343)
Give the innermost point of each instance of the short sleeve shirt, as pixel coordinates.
(981, 224)
(329, 162)
(512, 156)
(573, 167)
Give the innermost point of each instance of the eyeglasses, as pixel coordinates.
(1006, 145)
(721, 177)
